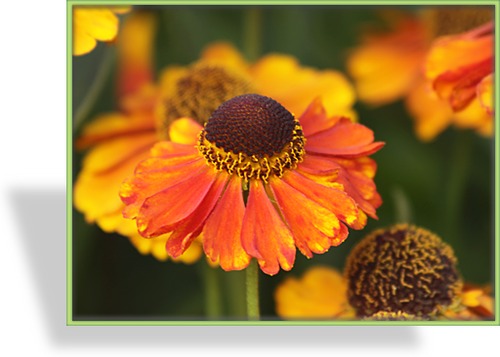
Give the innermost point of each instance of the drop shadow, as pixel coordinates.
(41, 218)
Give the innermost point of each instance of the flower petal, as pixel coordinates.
(333, 199)
(485, 94)
(222, 231)
(190, 227)
(161, 212)
(344, 139)
(113, 125)
(314, 228)
(264, 234)
(283, 79)
(155, 175)
(185, 131)
(315, 120)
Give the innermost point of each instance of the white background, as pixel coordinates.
(32, 211)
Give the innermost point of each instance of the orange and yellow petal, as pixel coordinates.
(485, 92)
(222, 231)
(431, 114)
(135, 52)
(333, 199)
(225, 55)
(112, 125)
(95, 190)
(282, 78)
(386, 66)
(264, 234)
(92, 24)
(185, 131)
(321, 293)
(314, 228)
(164, 210)
(191, 227)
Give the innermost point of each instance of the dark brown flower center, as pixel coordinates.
(253, 136)
(405, 269)
(251, 124)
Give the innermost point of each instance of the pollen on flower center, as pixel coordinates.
(253, 136)
(201, 90)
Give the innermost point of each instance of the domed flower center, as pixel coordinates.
(403, 269)
(201, 90)
(253, 136)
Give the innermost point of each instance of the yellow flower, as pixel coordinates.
(119, 140)
(92, 24)
(472, 303)
(321, 293)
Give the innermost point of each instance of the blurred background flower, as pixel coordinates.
(448, 193)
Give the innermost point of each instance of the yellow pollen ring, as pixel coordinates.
(250, 167)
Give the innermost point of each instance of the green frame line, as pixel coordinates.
(69, 176)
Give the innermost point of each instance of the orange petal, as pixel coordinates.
(185, 131)
(264, 234)
(162, 211)
(333, 199)
(222, 231)
(459, 86)
(485, 94)
(314, 228)
(96, 192)
(169, 149)
(386, 66)
(315, 120)
(451, 53)
(113, 125)
(344, 139)
(190, 227)
(155, 175)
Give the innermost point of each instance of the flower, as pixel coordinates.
(252, 146)
(465, 82)
(321, 293)
(119, 140)
(473, 303)
(402, 268)
(392, 316)
(92, 24)
(409, 62)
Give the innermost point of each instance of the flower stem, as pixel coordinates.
(252, 278)
(82, 112)
(212, 292)
(252, 32)
(402, 206)
(456, 184)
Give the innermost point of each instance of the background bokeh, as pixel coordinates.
(447, 185)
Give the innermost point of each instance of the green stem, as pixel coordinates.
(252, 32)
(252, 279)
(213, 307)
(85, 107)
(402, 206)
(456, 183)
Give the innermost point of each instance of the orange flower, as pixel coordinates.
(321, 293)
(390, 66)
(92, 24)
(473, 303)
(119, 140)
(460, 69)
(254, 148)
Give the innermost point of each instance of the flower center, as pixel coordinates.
(403, 268)
(201, 90)
(253, 136)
